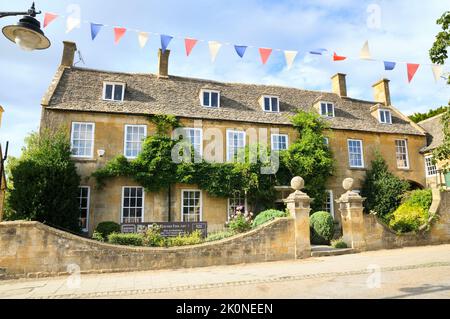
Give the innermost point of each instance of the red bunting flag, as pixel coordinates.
(48, 18)
(189, 44)
(265, 54)
(118, 34)
(412, 69)
(338, 57)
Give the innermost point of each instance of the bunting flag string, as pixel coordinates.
(48, 18)
(214, 48)
(74, 21)
(95, 29)
(265, 54)
(142, 39)
(189, 44)
(118, 34)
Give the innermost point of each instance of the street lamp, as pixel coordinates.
(27, 33)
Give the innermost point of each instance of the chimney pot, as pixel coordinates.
(339, 84)
(381, 92)
(68, 53)
(163, 64)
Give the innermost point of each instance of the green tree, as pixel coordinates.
(419, 117)
(442, 153)
(45, 182)
(382, 189)
(439, 51)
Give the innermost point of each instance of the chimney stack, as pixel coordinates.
(163, 64)
(381, 92)
(339, 84)
(68, 53)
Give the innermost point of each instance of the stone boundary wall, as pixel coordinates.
(31, 249)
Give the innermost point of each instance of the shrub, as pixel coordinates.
(267, 216)
(107, 228)
(97, 236)
(219, 235)
(126, 239)
(322, 228)
(338, 243)
(382, 189)
(240, 222)
(421, 198)
(408, 218)
(194, 238)
(153, 237)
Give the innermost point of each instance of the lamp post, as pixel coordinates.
(27, 33)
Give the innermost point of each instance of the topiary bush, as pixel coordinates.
(126, 239)
(322, 228)
(107, 228)
(267, 216)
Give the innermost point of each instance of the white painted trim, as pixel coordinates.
(362, 153)
(143, 203)
(329, 191)
(386, 111)
(88, 208)
(426, 167)
(277, 135)
(125, 138)
(92, 137)
(326, 102)
(182, 202)
(407, 153)
(271, 106)
(113, 91)
(234, 131)
(202, 91)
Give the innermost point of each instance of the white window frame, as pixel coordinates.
(229, 205)
(407, 153)
(331, 195)
(326, 141)
(202, 100)
(91, 155)
(122, 200)
(362, 153)
(385, 111)
(125, 138)
(430, 158)
(200, 201)
(327, 103)
(185, 134)
(270, 97)
(88, 206)
(273, 136)
(113, 91)
(228, 144)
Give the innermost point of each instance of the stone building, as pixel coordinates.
(434, 173)
(106, 113)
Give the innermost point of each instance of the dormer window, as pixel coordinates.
(327, 109)
(210, 98)
(271, 104)
(385, 116)
(113, 91)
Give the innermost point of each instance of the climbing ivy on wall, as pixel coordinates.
(154, 168)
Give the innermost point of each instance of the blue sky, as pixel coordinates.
(404, 32)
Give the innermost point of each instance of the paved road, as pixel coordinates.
(418, 272)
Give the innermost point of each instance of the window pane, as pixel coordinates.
(108, 92)
(214, 99)
(206, 99)
(382, 118)
(274, 104)
(118, 92)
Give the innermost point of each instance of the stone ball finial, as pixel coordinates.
(297, 183)
(348, 184)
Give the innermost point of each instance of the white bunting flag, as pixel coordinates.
(72, 23)
(365, 52)
(214, 48)
(143, 38)
(437, 71)
(290, 58)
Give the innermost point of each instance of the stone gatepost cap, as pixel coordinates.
(297, 183)
(347, 184)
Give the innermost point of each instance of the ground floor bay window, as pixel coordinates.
(191, 206)
(132, 205)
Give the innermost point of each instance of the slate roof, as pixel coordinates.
(435, 132)
(80, 89)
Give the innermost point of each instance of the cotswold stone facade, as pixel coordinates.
(106, 114)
